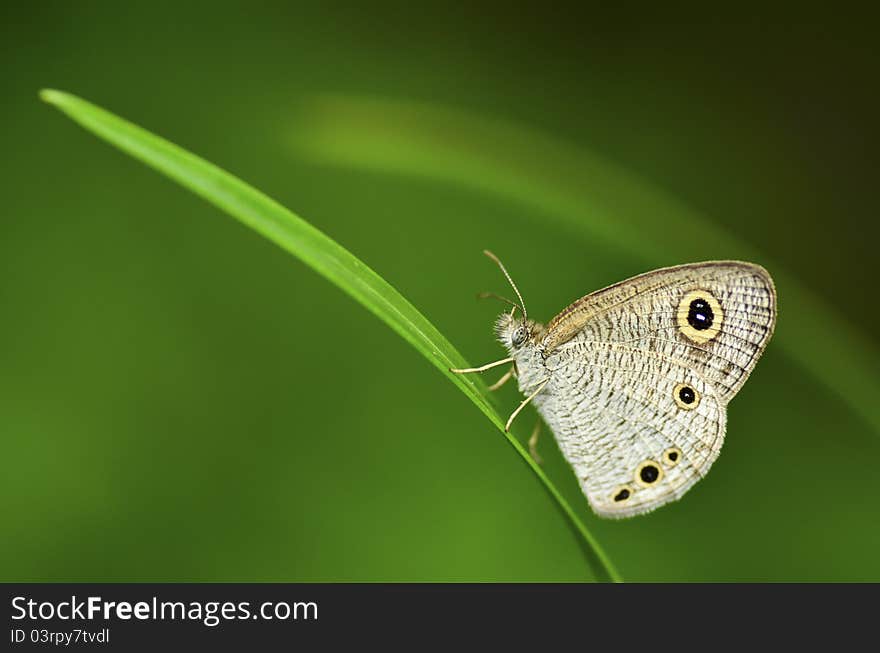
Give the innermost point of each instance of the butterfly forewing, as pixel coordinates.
(650, 312)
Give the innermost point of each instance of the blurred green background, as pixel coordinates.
(182, 400)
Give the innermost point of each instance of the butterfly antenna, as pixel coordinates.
(491, 295)
(522, 304)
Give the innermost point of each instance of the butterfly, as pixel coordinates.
(634, 380)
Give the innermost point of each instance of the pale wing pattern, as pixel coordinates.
(613, 410)
(642, 371)
(648, 312)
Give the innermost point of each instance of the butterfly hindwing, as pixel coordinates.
(615, 416)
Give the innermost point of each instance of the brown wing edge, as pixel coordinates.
(573, 317)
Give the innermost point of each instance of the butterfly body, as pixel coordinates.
(634, 380)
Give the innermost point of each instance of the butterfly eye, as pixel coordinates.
(519, 336)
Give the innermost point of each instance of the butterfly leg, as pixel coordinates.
(533, 443)
(482, 368)
(524, 402)
(504, 379)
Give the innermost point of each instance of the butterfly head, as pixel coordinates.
(513, 332)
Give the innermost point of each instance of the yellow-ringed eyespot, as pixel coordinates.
(649, 473)
(699, 316)
(671, 456)
(621, 494)
(686, 396)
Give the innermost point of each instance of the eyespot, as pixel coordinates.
(621, 494)
(519, 336)
(672, 456)
(649, 473)
(686, 396)
(699, 316)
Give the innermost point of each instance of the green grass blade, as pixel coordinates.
(587, 196)
(337, 264)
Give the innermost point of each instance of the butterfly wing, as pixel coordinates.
(641, 373)
(614, 414)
